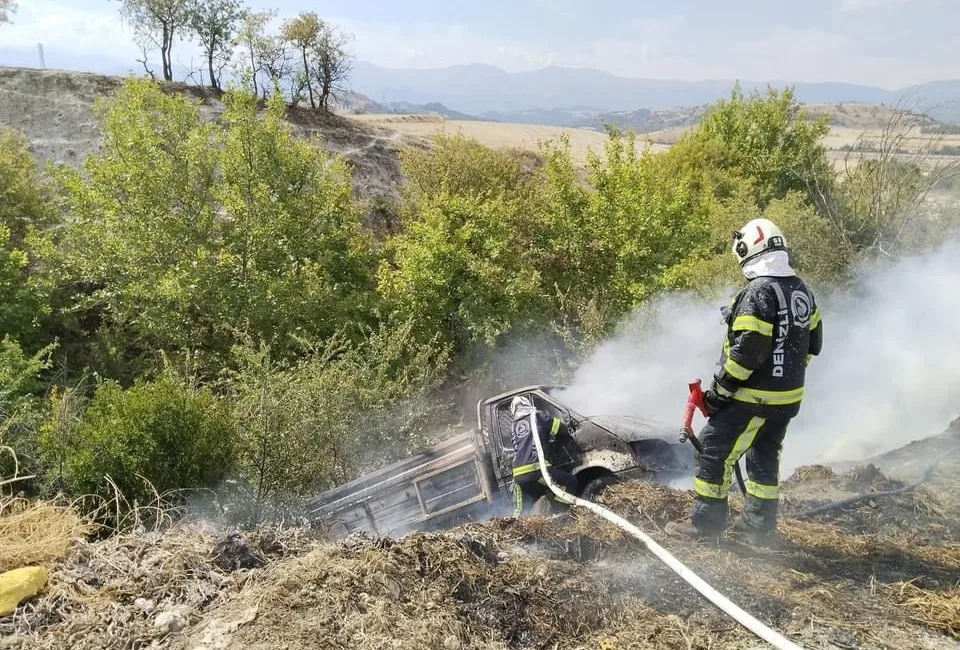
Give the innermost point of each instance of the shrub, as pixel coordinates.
(344, 408)
(169, 434)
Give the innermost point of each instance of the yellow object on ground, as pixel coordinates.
(18, 585)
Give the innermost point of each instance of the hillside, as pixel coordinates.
(494, 93)
(57, 112)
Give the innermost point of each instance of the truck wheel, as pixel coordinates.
(595, 487)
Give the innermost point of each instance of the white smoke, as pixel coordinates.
(889, 372)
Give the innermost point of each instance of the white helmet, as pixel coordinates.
(757, 237)
(518, 402)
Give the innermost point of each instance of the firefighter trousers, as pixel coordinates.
(528, 488)
(734, 431)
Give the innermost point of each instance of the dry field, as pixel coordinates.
(494, 134)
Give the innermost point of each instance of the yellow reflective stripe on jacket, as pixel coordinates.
(520, 470)
(768, 397)
(760, 491)
(752, 324)
(743, 442)
(734, 369)
(815, 318)
(555, 428)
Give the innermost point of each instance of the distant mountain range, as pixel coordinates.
(557, 95)
(553, 95)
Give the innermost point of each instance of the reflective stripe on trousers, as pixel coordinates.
(740, 447)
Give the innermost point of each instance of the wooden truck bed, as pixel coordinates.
(428, 486)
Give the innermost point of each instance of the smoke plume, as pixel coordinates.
(889, 372)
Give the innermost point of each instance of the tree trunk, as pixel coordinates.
(253, 71)
(306, 71)
(214, 82)
(166, 52)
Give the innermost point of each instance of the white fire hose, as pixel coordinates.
(730, 608)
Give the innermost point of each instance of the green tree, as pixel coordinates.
(766, 139)
(341, 410)
(642, 218)
(250, 34)
(195, 235)
(462, 267)
(304, 31)
(214, 23)
(815, 251)
(156, 23)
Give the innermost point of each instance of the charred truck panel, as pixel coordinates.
(470, 476)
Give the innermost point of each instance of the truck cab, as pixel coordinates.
(603, 447)
(469, 476)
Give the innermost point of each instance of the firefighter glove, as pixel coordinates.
(714, 402)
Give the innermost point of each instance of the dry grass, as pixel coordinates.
(496, 134)
(937, 609)
(37, 532)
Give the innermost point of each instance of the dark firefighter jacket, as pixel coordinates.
(525, 459)
(773, 328)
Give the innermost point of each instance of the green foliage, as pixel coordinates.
(644, 219)
(26, 215)
(816, 252)
(767, 140)
(162, 435)
(462, 270)
(214, 23)
(198, 235)
(459, 166)
(344, 408)
(878, 200)
(231, 244)
(20, 408)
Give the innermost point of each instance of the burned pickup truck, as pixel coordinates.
(469, 476)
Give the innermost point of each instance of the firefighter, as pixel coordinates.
(773, 330)
(528, 483)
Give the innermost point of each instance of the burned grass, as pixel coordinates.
(877, 575)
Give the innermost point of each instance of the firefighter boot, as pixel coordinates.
(687, 529)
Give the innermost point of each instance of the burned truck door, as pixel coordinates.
(500, 422)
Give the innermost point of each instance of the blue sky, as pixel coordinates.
(887, 43)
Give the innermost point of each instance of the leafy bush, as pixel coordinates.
(26, 214)
(164, 432)
(195, 235)
(767, 140)
(20, 408)
(344, 408)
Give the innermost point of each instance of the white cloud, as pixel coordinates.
(435, 46)
(856, 6)
(58, 24)
(664, 48)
